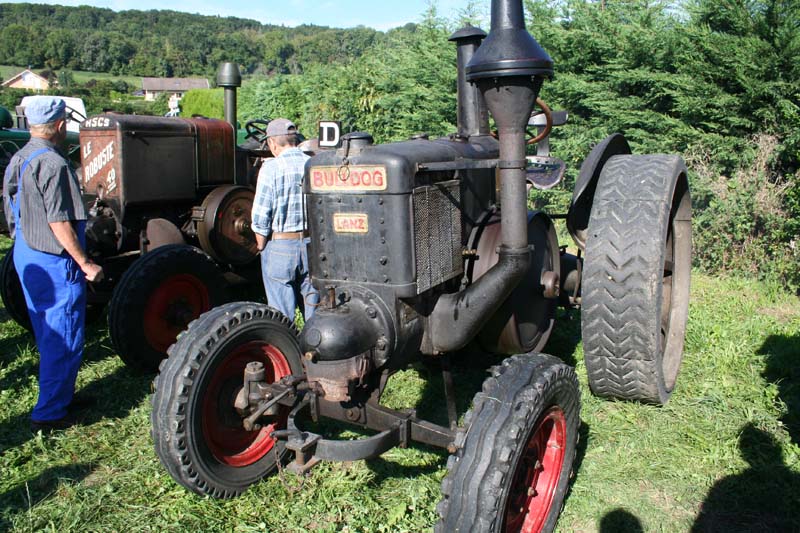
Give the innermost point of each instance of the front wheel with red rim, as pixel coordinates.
(514, 456)
(198, 434)
(157, 297)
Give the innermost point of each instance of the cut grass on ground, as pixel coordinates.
(726, 444)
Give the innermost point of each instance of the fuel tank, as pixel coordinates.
(131, 160)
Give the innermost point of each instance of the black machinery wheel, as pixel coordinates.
(198, 435)
(636, 278)
(157, 297)
(14, 299)
(11, 292)
(514, 456)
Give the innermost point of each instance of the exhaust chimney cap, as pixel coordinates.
(228, 75)
(467, 32)
(509, 50)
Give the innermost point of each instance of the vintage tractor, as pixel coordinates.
(426, 249)
(169, 221)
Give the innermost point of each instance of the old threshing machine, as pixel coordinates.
(425, 248)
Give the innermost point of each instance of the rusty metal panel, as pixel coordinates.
(101, 160)
(215, 152)
(138, 159)
(158, 169)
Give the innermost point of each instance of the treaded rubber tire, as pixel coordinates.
(130, 300)
(14, 299)
(11, 292)
(177, 414)
(634, 314)
(495, 434)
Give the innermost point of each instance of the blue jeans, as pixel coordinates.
(284, 267)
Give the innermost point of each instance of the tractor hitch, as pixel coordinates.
(395, 428)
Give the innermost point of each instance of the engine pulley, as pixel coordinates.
(223, 229)
(524, 321)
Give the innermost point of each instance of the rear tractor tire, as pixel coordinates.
(11, 292)
(14, 299)
(157, 297)
(636, 278)
(198, 435)
(514, 456)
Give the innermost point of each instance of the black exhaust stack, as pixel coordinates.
(229, 77)
(473, 117)
(508, 69)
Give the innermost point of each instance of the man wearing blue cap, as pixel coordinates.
(47, 219)
(279, 223)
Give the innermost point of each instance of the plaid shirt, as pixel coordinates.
(278, 205)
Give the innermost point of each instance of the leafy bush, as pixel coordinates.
(204, 102)
(742, 222)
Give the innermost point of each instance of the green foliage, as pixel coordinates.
(159, 106)
(165, 43)
(10, 98)
(403, 86)
(204, 102)
(703, 80)
(750, 210)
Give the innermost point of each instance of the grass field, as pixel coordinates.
(727, 444)
(80, 76)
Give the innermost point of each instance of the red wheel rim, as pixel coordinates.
(176, 302)
(537, 474)
(224, 434)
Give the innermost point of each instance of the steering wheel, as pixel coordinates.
(548, 115)
(533, 139)
(75, 116)
(257, 129)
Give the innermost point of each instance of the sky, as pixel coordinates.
(378, 14)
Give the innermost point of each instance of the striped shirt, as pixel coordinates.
(50, 193)
(278, 205)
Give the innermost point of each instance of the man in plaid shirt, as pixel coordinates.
(279, 223)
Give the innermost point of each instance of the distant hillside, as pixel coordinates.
(165, 43)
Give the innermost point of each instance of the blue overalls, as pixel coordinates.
(55, 291)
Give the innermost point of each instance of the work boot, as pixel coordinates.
(80, 402)
(48, 426)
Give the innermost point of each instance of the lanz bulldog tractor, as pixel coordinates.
(426, 248)
(169, 221)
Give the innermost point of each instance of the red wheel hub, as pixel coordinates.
(537, 474)
(224, 434)
(176, 302)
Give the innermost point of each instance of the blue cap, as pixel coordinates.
(44, 109)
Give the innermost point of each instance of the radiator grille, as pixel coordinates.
(437, 233)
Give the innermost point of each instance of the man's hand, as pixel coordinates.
(65, 234)
(261, 241)
(93, 271)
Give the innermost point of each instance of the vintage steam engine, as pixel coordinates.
(424, 248)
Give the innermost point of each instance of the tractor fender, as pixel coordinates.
(583, 194)
(160, 232)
